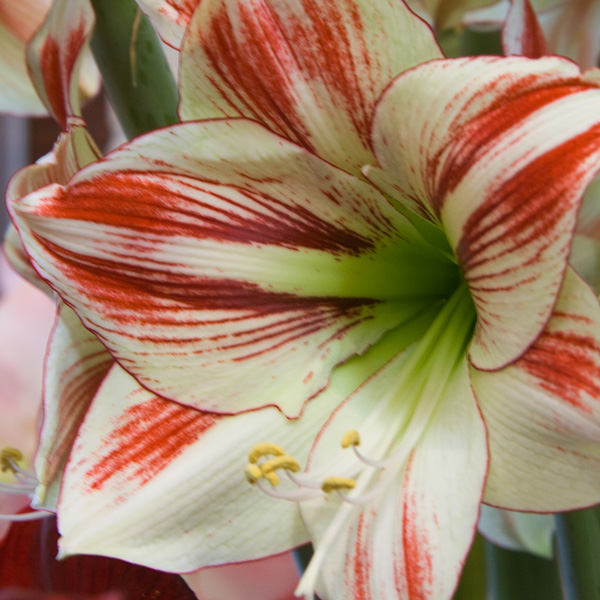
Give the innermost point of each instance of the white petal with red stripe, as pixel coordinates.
(502, 159)
(310, 71)
(543, 412)
(76, 365)
(409, 540)
(201, 263)
(138, 456)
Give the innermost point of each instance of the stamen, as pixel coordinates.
(24, 485)
(289, 463)
(351, 438)
(17, 489)
(272, 478)
(264, 449)
(30, 516)
(267, 470)
(253, 473)
(9, 457)
(334, 484)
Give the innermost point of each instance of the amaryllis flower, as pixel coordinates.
(261, 289)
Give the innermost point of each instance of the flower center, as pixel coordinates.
(406, 408)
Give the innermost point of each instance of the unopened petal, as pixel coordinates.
(54, 57)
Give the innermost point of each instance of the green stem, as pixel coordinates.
(520, 576)
(135, 72)
(578, 544)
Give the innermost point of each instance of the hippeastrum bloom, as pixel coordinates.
(229, 270)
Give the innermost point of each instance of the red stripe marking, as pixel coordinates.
(530, 36)
(530, 206)
(361, 563)
(566, 364)
(145, 440)
(474, 138)
(255, 56)
(76, 390)
(417, 553)
(57, 62)
(169, 206)
(181, 12)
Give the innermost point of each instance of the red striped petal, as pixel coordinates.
(160, 484)
(543, 412)
(287, 267)
(411, 539)
(503, 164)
(75, 367)
(310, 71)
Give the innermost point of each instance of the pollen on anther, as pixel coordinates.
(8, 458)
(333, 484)
(289, 463)
(272, 478)
(351, 438)
(253, 473)
(264, 449)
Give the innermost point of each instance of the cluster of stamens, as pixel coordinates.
(25, 482)
(266, 462)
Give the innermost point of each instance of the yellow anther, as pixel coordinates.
(289, 463)
(332, 484)
(351, 438)
(264, 449)
(8, 457)
(253, 473)
(271, 477)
